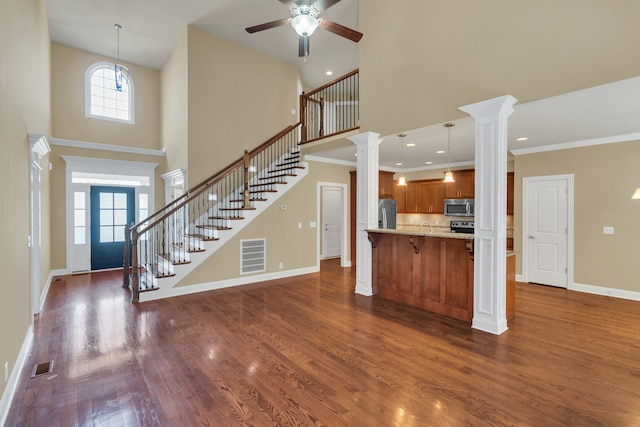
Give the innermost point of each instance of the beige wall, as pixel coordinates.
(175, 106)
(24, 108)
(296, 248)
(605, 178)
(421, 61)
(238, 98)
(68, 66)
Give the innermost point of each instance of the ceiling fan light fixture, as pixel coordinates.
(305, 20)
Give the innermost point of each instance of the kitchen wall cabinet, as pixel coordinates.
(386, 185)
(463, 188)
(431, 197)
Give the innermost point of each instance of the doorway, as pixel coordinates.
(112, 208)
(332, 220)
(547, 231)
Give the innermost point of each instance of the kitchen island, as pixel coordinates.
(432, 271)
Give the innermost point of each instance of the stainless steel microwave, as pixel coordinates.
(459, 207)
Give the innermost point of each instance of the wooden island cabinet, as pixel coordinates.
(432, 271)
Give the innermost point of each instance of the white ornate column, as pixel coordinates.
(368, 151)
(489, 296)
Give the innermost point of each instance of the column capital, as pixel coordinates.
(500, 106)
(365, 138)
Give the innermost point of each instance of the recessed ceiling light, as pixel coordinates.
(398, 163)
(440, 152)
(428, 163)
(524, 138)
(329, 73)
(356, 154)
(411, 145)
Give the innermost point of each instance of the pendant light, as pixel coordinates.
(448, 175)
(120, 70)
(402, 182)
(636, 195)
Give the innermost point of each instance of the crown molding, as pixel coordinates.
(577, 144)
(108, 147)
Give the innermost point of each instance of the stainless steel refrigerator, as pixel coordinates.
(386, 213)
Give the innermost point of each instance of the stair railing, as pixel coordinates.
(331, 109)
(167, 236)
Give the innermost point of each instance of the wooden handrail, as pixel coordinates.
(202, 186)
(331, 83)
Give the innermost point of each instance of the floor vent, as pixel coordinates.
(42, 369)
(253, 255)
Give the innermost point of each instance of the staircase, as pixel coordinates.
(163, 249)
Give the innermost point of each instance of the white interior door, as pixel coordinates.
(331, 221)
(546, 233)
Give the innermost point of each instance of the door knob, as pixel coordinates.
(531, 237)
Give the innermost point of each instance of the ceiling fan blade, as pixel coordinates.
(303, 46)
(289, 3)
(267, 25)
(322, 5)
(341, 30)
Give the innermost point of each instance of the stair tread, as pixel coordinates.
(251, 200)
(278, 175)
(267, 183)
(143, 285)
(201, 237)
(188, 248)
(240, 208)
(232, 218)
(159, 272)
(213, 227)
(175, 259)
(263, 191)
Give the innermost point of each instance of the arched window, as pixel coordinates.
(102, 99)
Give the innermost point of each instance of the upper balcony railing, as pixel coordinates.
(331, 109)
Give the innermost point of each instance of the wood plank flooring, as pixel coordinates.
(308, 351)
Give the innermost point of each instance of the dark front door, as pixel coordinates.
(111, 209)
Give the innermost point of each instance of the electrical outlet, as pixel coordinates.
(299, 225)
(6, 371)
(280, 265)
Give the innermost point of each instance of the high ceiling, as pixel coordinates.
(151, 29)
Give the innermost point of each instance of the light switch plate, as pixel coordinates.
(312, 224)
(607, 230)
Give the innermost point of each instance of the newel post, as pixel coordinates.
(303, 117)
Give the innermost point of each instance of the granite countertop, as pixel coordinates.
(435, 233)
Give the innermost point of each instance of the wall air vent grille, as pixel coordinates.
(253, 255)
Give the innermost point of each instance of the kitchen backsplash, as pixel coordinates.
(441, 222)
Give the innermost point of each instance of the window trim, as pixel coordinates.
(87, 94)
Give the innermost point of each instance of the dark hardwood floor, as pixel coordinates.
(308, 351)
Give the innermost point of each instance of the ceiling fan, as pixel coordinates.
(304, 19)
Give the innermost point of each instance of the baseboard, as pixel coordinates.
(520, 278)
(45, 292)
(609, 292)
(10, 390)
(221, 284)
